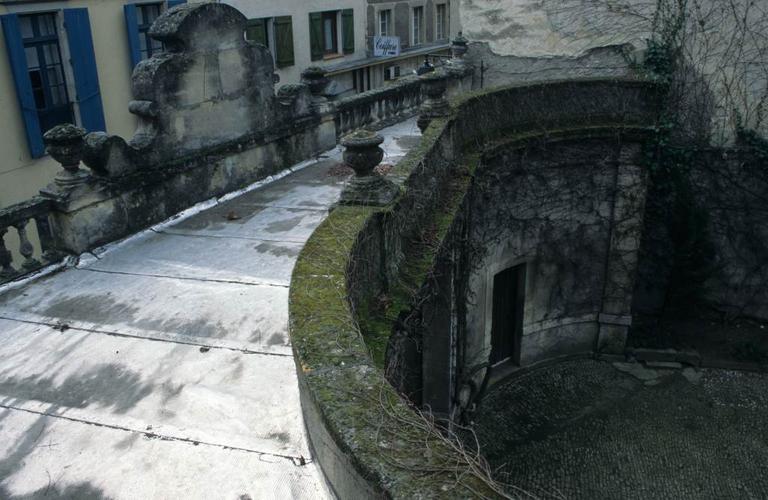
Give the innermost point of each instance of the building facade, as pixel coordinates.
(304, 33)
(65, 62)
(424, 28)
(71, 61)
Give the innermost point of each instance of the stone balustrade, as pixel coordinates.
(17, 223)
(379, 107)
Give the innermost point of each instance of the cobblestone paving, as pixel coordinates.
(584, 429)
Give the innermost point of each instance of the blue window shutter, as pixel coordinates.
(18, 60)
(174, 3)
(83, 62)
(132, 27)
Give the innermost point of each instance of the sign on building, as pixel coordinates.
(386, 46)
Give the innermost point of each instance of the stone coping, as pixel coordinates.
(369, 441)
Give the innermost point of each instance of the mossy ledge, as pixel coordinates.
(369, 441)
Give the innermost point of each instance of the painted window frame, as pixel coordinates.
(152, 46)
(342, 37)
(78, 68)
(38, 42)
(415, 41)
(381, 14)
(446, 22)
(332, 16)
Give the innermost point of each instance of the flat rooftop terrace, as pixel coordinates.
(160, 367)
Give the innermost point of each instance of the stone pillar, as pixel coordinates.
(615, 317)
(435, 105)
(367, 187)
(65, 144)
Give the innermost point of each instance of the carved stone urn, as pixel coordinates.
(314, 78)
(363, 154)
(435, 104)
(65, 143)
(362, 151)
(459, 47)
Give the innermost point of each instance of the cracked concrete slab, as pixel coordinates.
(235, 260)
(229, 315)
(47, 457)
(258, 223)
(162, 387)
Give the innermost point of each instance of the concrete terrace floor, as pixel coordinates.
(592, 430)
(162, 367)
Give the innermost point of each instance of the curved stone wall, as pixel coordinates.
(368, 439)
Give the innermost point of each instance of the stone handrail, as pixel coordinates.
(31, 214)
(366, 436)
(402, 99)
(379, 107)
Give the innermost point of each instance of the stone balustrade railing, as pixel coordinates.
(402, 99)
(379, 107)
(17, 223)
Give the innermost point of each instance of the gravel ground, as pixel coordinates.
(595, 430)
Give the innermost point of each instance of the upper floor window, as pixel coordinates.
(418, 25)
(330, 33)
(45, 69)
(385, 23)
(275, 33)
(441, 21)
(146, 15)
(325, 37)
(40, 74)
(139, 18)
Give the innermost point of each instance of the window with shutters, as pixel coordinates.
(385, 23)
(441, 21)
(331, 33)
(45, 96)
(275, 33)
(418, 26)
(45, 69)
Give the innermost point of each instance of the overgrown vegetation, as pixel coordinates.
(702, 199)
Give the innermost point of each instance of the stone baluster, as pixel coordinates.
(65, 144)
(367, 187)
(47, 241)
(6, 269)
(25, 248)
(434, 85)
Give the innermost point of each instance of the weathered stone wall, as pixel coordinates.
(727, 192)
(495, 70)
(722, 44)
(210, 123)
(551, 208)
(571, 209)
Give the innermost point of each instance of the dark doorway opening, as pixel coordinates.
(507, 319)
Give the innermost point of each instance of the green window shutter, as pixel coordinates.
(256, 31)
(348, 30)
(283, 41)
(316, 35)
